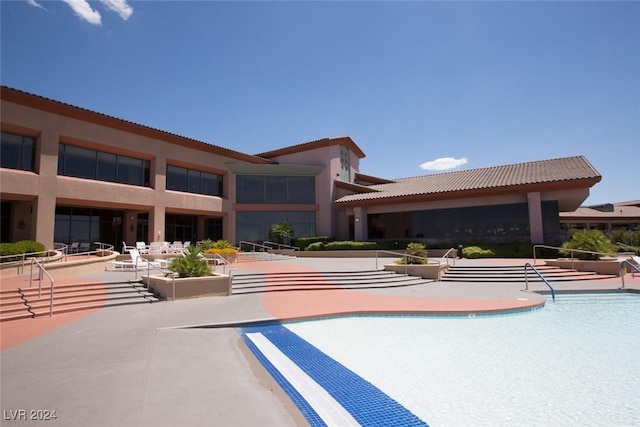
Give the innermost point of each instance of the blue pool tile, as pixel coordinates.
(367, 404)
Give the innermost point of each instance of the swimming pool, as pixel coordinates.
(574, 362)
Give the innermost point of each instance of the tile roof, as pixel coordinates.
(620, 211)
(305, 146)
(536, 172)
(62, 108)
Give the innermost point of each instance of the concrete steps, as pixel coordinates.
(516, 274)
(24, 303)
(248, 283)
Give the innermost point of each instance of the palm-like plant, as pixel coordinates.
(589, 240)
(190, 263)
(280, 232)
(417, 250)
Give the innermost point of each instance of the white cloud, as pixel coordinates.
(443, 163)
(119, 6)
(36, 4)
(84, 11)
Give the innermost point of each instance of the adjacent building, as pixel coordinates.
(69, 174)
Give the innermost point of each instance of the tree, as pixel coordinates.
(280, 232)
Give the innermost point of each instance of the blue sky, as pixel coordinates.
(413, 83)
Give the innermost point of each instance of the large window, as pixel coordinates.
(84, 163)
(274, 189)
(18, 152)
(500, 223)
(254, 226)
(86, 225)
(193, 181)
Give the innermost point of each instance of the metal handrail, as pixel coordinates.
(447, 256)
(103, 247)
(280, 245)
(225, 263)
(21, 258)
(622, 270)
(402, 254)
(254, 245)
(41, 271)
(526, 280)
(571, 252)
(628, 247)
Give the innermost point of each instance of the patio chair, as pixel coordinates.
(156, 247)
(176, 247)
(126, 248)
(74, 247)
(135, 263)
(142, 247)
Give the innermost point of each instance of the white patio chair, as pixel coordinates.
(156, 247)
(135, 263)
(142, 247)
(176, 247)
(74, 247)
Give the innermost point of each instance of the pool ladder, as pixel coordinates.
(526, 280)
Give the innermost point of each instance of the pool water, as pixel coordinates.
(573, 362)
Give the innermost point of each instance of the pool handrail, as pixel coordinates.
(623, 263)
(526, 280)
(571, 251)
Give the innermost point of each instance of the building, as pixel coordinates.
(605, 217)
(70, 174)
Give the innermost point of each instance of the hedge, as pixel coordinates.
(19, 248)
(349, 245)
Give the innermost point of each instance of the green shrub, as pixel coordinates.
(626, 237)
(280, 232)
(190, 263)
(317, 246)
(304, 242)
(589, 240)
(19, 248)
(473, 252)
(349, 245)
(416, 250)
(210, 244)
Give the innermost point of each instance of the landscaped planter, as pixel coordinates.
(189, 287)
(426, 271)
(611, 266)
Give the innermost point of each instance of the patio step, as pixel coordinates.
(516, 274)
(23, 303)
(249, 283)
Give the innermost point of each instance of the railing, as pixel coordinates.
(571, 252)
(279, 245)
(225, 263)
(526, 280)
(19, 259)
(403, 255)
(448, 255)
(102, 247)
(622, 270)
(629, 248)
(254, 246)
(41, 272)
